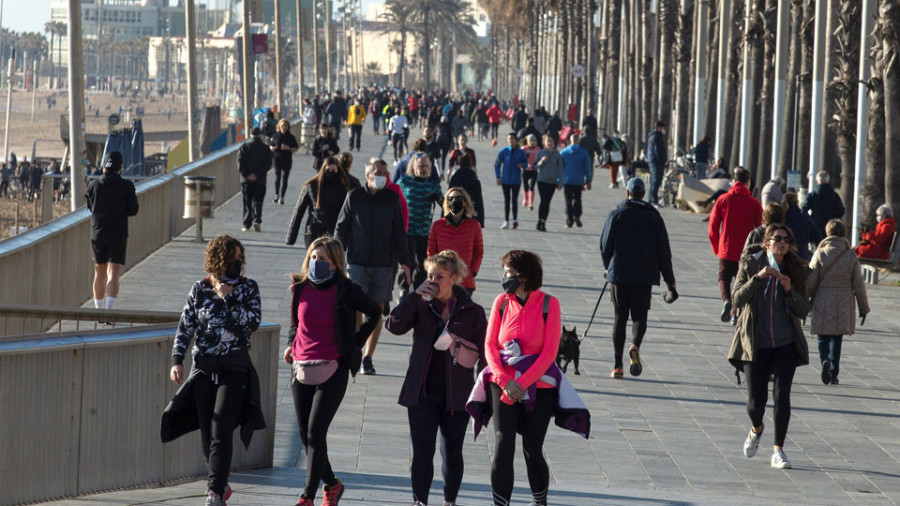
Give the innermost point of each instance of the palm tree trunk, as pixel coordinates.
(890, 19)
(767, 106)
(668, 23)
(712, 72)
(873, 192)
(614, 39)
(828, 148)
(804, 127)
(647, 84)
(786, 161)
(683, 52)
(756, 39)
(732, 84)
(843, 88)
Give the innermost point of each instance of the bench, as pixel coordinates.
(872, 266)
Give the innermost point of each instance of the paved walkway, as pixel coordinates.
(672, 436)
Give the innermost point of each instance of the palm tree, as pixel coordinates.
(873, 192)
(889, 12)
(668, 24)
(429, 15)
(683, 46)
(398, 14)
(481, 63)
(843, 88)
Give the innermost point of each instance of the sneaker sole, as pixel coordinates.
(826, 371)
(636, 368)
(726, 312)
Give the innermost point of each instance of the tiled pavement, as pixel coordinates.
(672, 436)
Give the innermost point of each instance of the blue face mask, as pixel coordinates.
(319, 271)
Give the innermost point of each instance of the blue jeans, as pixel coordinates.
(656, 177)
(830, 348)
(376, 122)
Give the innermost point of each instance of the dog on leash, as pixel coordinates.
(569, 349)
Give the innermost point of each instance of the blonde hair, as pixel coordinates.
(283, 125)
(414, 162)
(449, 260)
(468, 208)
(335, 251)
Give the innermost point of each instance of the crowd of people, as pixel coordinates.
(364, 238)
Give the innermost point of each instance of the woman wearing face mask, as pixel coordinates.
(323, 347)
(877, 243)
(770, 291)
(462, 143)
(447, 350)
(320, 201)
(459, 231)
(549, 165)
(465, 177)
(517, 328)
(222, 311)
(324, 146)
(421, 193)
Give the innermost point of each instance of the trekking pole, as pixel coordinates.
(595, 310)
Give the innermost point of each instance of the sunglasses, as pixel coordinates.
(781, 238)
(454, 197)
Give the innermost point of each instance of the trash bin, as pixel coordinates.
(199, 196)
(307, 136)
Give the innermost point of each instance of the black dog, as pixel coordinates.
(569, 349)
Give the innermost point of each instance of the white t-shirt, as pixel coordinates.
(397, 124)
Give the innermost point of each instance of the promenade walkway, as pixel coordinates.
(672, 436)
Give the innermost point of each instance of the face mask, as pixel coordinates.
(456, 206)
(773, 262)
(378, 182)
(319, 271)
(878, 218)
(510, 284)
(332, 177)
(233, 269)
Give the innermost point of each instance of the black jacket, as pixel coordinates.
(254, 157)
(519, 119)
(322, 148)
(466, 320)
(468, 180)
(283, 158)
(320, 220)
(180, 416)
(111, 200)
(554, 126)
(371, 228)
(635, 245)
(350, 299)
(825, 204)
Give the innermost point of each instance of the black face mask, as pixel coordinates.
(510, 284)
(456, 206)
(332, 177)
(233, 269)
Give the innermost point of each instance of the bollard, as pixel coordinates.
(199, 199)
(46, 199)
(34, 214)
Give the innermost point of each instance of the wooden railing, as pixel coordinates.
(80, 413)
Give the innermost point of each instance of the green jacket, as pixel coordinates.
(743, 296)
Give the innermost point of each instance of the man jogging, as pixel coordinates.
(111, 200)
(254, 161)
(635, 249)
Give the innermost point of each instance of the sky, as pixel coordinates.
(30, 16)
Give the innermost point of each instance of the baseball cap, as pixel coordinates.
(633, 183)
(113, 161)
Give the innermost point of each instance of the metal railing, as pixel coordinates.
(81, 413)
(17, 320)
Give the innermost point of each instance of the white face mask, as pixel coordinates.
(378, 182)
(879, 217)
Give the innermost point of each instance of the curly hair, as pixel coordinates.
(219, 252)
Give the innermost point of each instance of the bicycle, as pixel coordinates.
(671, 181)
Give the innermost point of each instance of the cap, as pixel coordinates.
(113, 161)
(255, 132)
(633, 183)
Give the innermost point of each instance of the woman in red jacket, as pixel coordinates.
(877, 243)
(459, 231)
(520, 346)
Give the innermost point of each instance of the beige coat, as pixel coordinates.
(743, 295)
(832, 295)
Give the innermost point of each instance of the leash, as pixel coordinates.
(595, 310)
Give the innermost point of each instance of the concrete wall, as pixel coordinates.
(81, 413)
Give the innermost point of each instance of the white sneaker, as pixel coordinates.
(751, 444)
(505, 225)
(780, 460)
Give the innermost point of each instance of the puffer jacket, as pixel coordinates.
(737, 213)
(465, 238)
(833, 294)
(743, 295)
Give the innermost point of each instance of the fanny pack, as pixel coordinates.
(314, 372)
(462, 351)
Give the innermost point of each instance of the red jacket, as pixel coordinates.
(737, 213)
(494, 113)
(404, 208)
(877, 243)
(464, 238)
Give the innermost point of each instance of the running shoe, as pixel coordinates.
(635, 355)
(617, 373)
(367, 368)
(214, 499)
(780, 460)
(826, 371)
(333, 494)
(751, 444)
(726, 310)
(305, 501)
(515, 224)
(505, 225)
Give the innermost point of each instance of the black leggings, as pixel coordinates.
(634, 300)
(424, 422)
(397, 143)
(545, 190)
(529, 178)
(281, 180)
(316, 406)
(494, 128)
(417, 245)
(508, 420)
(780, 362)
(510, 196)
(218, 407)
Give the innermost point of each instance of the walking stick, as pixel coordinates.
(595, 310)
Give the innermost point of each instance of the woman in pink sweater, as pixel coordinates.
(520, 346)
